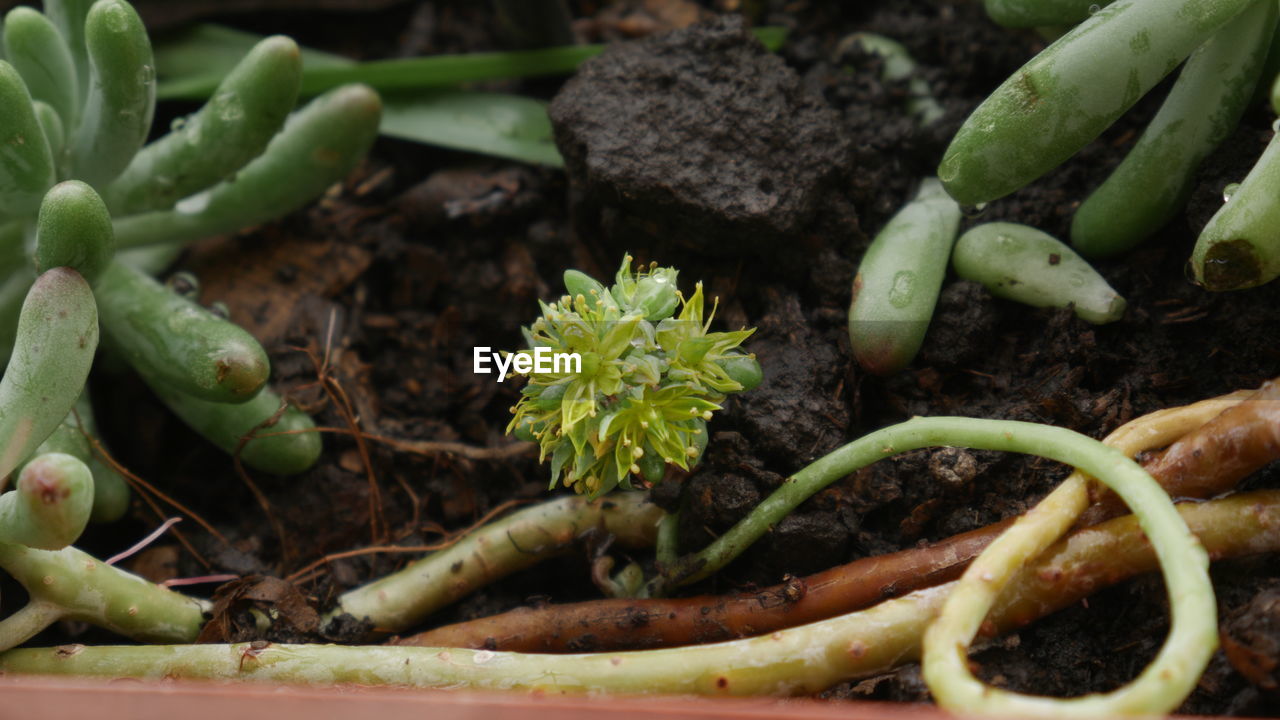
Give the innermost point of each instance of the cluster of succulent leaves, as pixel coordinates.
(1069, 93)
(651, 376)
(82, 193)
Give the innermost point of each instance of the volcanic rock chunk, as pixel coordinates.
(702, 137)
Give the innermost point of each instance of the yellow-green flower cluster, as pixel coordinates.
(651, 376)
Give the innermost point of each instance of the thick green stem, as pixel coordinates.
(400, 600)
(804, 659)
(88, 590)
(27, 622)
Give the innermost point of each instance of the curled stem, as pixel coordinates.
(662, 622)
(804, 659)
(913, 434)
(1193, 637)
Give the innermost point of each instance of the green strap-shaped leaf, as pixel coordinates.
(173, 341)
(26, 162)
(121, 100)
(318, 146)
(234, 127)
(56, 339)
(40, 55)
(51, 505)
(74, 230)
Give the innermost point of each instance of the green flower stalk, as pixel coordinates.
(648, 379)
(1021, 263)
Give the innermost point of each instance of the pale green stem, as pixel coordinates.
(803, 659)
(28, 622)
(398, 601)
(88, 590)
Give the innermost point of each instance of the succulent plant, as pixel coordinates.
(649, 377)
(77, 182)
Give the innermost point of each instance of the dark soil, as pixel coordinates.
(427, 254)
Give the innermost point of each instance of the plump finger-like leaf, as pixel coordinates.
(69, 16)
(201, 56)
(72, 437)
(1040, 13)
(15, 279)
(1074, 89)
(899, 278)
(26, 162)
(285, 447)
(1146, 190)
(173, 341)
(54, 347)
(318, 146)
(51, 504)
(1240, 246)
(1022, 263)
(38, 52)
(122, 95)
(245, 112)
(74, 230)
(55, 133)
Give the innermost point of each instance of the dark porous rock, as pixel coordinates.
(702, 138)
